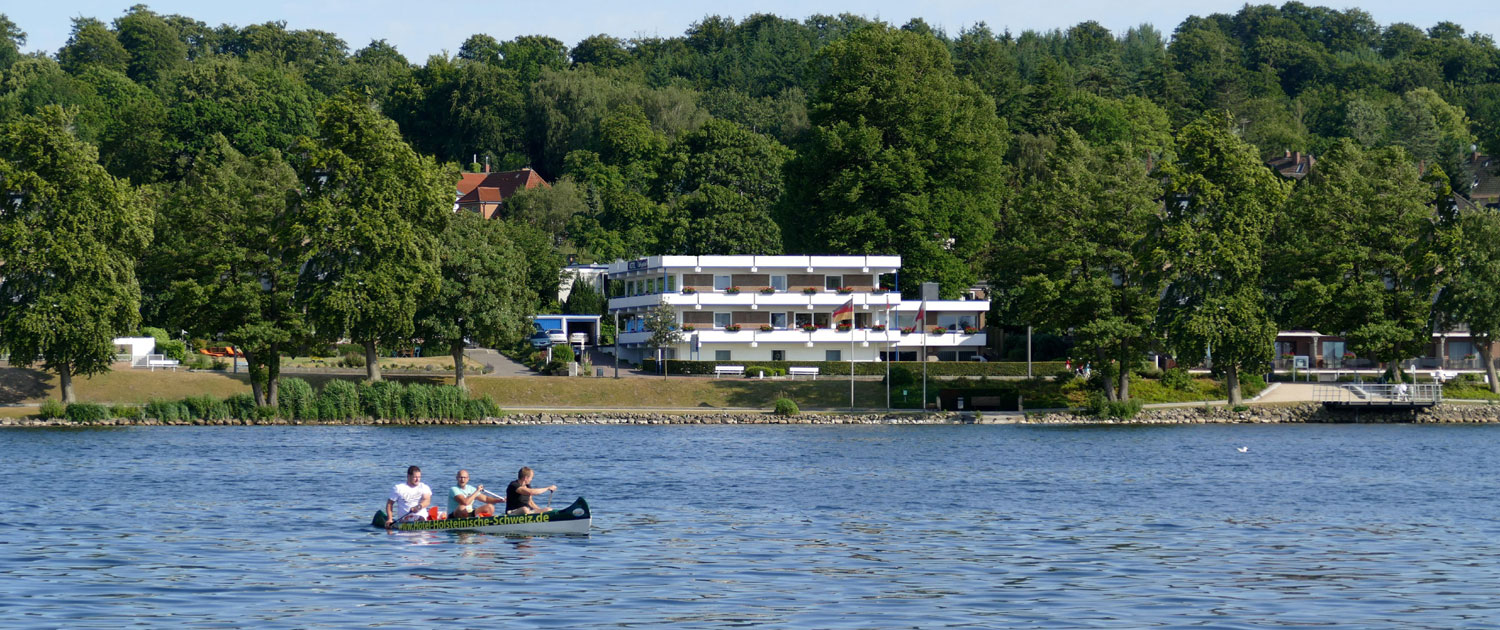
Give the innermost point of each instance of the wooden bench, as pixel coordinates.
(728, 369)
(802, 371)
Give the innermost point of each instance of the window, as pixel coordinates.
(778, 320)
(833, 282)
(955, 321)
(802, 319)
(629, 287)
(721, 355)
(778, 355)
(651, 285)
(833, 355)
(671, 283)
(722, 320)
(721, 283)
(778, 283)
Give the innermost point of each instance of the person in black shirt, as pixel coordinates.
(519, 493)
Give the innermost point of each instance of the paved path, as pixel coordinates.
(503, 365)
(1290, 392)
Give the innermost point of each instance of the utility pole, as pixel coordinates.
(617, 344)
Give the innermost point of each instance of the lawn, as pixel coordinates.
(434, 364)
(21, 386)
(1466, 390)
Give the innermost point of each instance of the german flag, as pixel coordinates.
(845, 312)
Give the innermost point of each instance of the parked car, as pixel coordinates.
(578, 338)
(541, 340)
(557, 336)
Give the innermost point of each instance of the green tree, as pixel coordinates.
(903, 157)
(1074, 255)
(583, 299)
(12, 38)
(1357, 252)
(549, 209)
(543, 264)
(92, 44)
(1221, 202)
(722, 181)
(372, 211)
(1468, 295)
(69, 237)
(155, 47)
(661, 322)
(225, 264)
(482, 297)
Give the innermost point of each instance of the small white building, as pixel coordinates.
(593, 274)
(783, 308)
(134, 350)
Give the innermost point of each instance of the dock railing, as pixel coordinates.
(1375, 394)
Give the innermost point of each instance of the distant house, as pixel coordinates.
(1292, 164)
(1484, 179)
(486, 192)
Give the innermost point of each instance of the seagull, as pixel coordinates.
(1243, 449)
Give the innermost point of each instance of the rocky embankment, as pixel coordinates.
(1305, 413)
(553, 418)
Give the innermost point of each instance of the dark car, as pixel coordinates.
(540, 339)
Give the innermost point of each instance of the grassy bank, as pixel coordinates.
(18, 386)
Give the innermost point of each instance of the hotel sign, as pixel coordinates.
(635, 265)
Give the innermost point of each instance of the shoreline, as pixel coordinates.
(1305, 413)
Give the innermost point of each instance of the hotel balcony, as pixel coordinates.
(822, 336)
(754, 299)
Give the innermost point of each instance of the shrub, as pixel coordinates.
(1240, 408)
(382, 400)
(352, 360)
(172, 349)
(218, 365)
(563, 353)
(83, 412)
(338, 400)
(199, 362)
(483, 407)
(240, 406)
(51, 410)
(761, 372)
(786, 407)
(205, 408)
(164, 410)
(125, 411)
(1178, 379)
(902, 376)
(265, 412)
(1252, 384)
(1101, 407)
(296, 400)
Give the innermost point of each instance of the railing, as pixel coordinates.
(1381, 393)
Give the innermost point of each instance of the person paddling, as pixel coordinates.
(519, 493)
(465, 500)
(409, 499)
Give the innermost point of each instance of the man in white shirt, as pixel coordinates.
(408, 501)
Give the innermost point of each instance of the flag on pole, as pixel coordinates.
(920, 323)
(845, 312)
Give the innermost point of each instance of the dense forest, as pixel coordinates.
(1108, 184)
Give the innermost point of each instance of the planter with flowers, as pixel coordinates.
(767, 328)
(878, 328)
(688, 290)
(908, 330)
(845, 290)
(732, 328)
(970, 330)
(844, 328)
(767, 290)
(809, 291)
(732, 291)
(808, 328)
(689, 328)
(937, 330)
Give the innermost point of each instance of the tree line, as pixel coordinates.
(266, 186)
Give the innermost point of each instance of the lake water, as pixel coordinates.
(1353, 526)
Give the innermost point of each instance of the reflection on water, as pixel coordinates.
(826, 527)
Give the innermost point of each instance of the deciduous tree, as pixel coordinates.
(482, 297)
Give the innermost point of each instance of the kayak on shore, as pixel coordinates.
(573, 519)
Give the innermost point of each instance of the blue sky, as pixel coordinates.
(425, 27)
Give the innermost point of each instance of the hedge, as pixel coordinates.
(868, 368)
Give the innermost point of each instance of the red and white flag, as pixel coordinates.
(920, 322)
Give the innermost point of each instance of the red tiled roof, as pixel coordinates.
(496, 187)
(1294, 165)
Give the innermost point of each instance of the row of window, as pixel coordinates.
(668, 284)
(838, 355)
(861, 320)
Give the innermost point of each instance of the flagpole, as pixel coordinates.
(888, 354)
(922, 326)
(851, 362)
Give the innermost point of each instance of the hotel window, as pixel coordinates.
(721, 355)
(722, 320)
(802, 319)
(778, 320)
(833, 355)
(833, 282)
(778, 283)
(778, 355)
(721, 283)
(629, 287)
(671, 284)
(651, 285)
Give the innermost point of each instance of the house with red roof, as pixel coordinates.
(486, 192)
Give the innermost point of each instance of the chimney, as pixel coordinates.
(1311, 160)
(486, 163)
(1286, 153)
(1296, 157)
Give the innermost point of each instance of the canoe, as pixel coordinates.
(574, 519)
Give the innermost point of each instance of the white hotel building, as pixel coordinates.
(780, 308)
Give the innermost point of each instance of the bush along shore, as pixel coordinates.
(642, 418)
(1307, 413)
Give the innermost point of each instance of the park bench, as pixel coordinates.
(728, 369)
(159, 361)
(802, 371)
